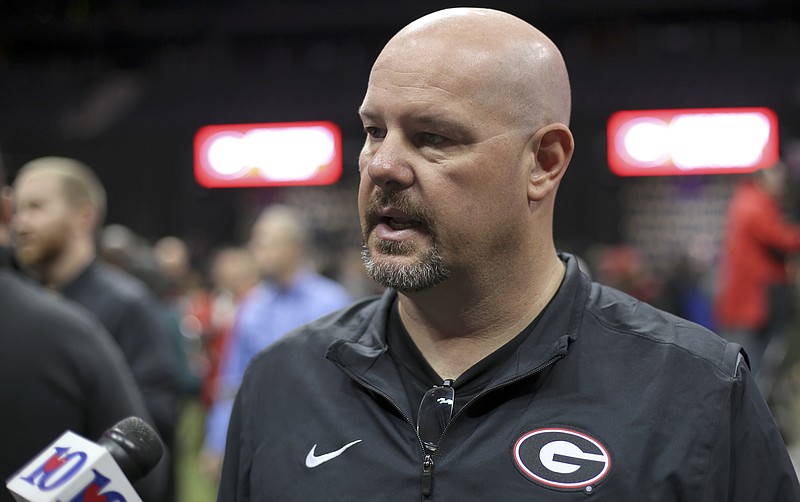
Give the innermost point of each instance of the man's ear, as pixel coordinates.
(552, 150)
(85, 216)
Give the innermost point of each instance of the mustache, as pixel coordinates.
(401, 202)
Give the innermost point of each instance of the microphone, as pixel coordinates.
(74, 469)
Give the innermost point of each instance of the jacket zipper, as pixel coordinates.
(427, 459)
(427, 474)
(428, 454)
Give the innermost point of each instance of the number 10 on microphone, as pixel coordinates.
(72, 469)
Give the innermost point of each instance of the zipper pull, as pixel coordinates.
(427, 476)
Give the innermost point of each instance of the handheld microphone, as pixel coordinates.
(74, 469)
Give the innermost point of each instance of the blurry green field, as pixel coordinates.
(192, 484)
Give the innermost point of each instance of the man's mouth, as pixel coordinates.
(396, 219)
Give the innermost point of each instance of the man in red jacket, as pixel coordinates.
(753, 303)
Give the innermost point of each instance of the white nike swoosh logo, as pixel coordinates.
(313, 460)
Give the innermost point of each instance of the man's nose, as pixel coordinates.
(388, 165)
(19, 219)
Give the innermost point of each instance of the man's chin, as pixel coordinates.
(28, 258)
(25, 259)
(405, 272)
(385, 255)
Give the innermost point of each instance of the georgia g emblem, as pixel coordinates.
(562, 459)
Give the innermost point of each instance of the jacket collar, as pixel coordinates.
(364, 353)
(77, 282)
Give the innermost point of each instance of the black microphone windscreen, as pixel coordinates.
(134, 445)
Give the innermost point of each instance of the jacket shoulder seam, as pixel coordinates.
(644, 336)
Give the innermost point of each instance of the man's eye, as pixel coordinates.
(375, 132)
(431, 139)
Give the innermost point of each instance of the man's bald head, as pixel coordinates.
(509, 61)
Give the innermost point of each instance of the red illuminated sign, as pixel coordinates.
(273, 154)
(692, 141)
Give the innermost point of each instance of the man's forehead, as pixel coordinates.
(441, 73)
(438, 78)
(38, 182)
(454, 104)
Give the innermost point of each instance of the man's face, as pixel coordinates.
(443, 178)
(42, 219)
(274, 247)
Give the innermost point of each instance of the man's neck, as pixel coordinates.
(287, 276)
(455, 326)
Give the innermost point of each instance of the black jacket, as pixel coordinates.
(607, 397)
(60, 370)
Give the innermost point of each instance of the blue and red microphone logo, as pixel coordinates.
(57, 470)
(63, 466)
(93, 491)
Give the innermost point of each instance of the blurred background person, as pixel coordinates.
(61, 370)
(623, 267)
(234, 275)
(182, 289)
(165, 268)
(187, 299)
(120, 246)
(291, 293)
(59, 209)
(754, 303)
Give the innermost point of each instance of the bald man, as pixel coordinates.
(491, 368)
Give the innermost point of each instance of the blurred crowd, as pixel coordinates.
(202, 296)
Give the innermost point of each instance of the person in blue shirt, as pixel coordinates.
(291, 293)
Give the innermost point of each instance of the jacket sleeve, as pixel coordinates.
(749, 460)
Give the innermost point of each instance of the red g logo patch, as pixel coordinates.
(562, 459)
